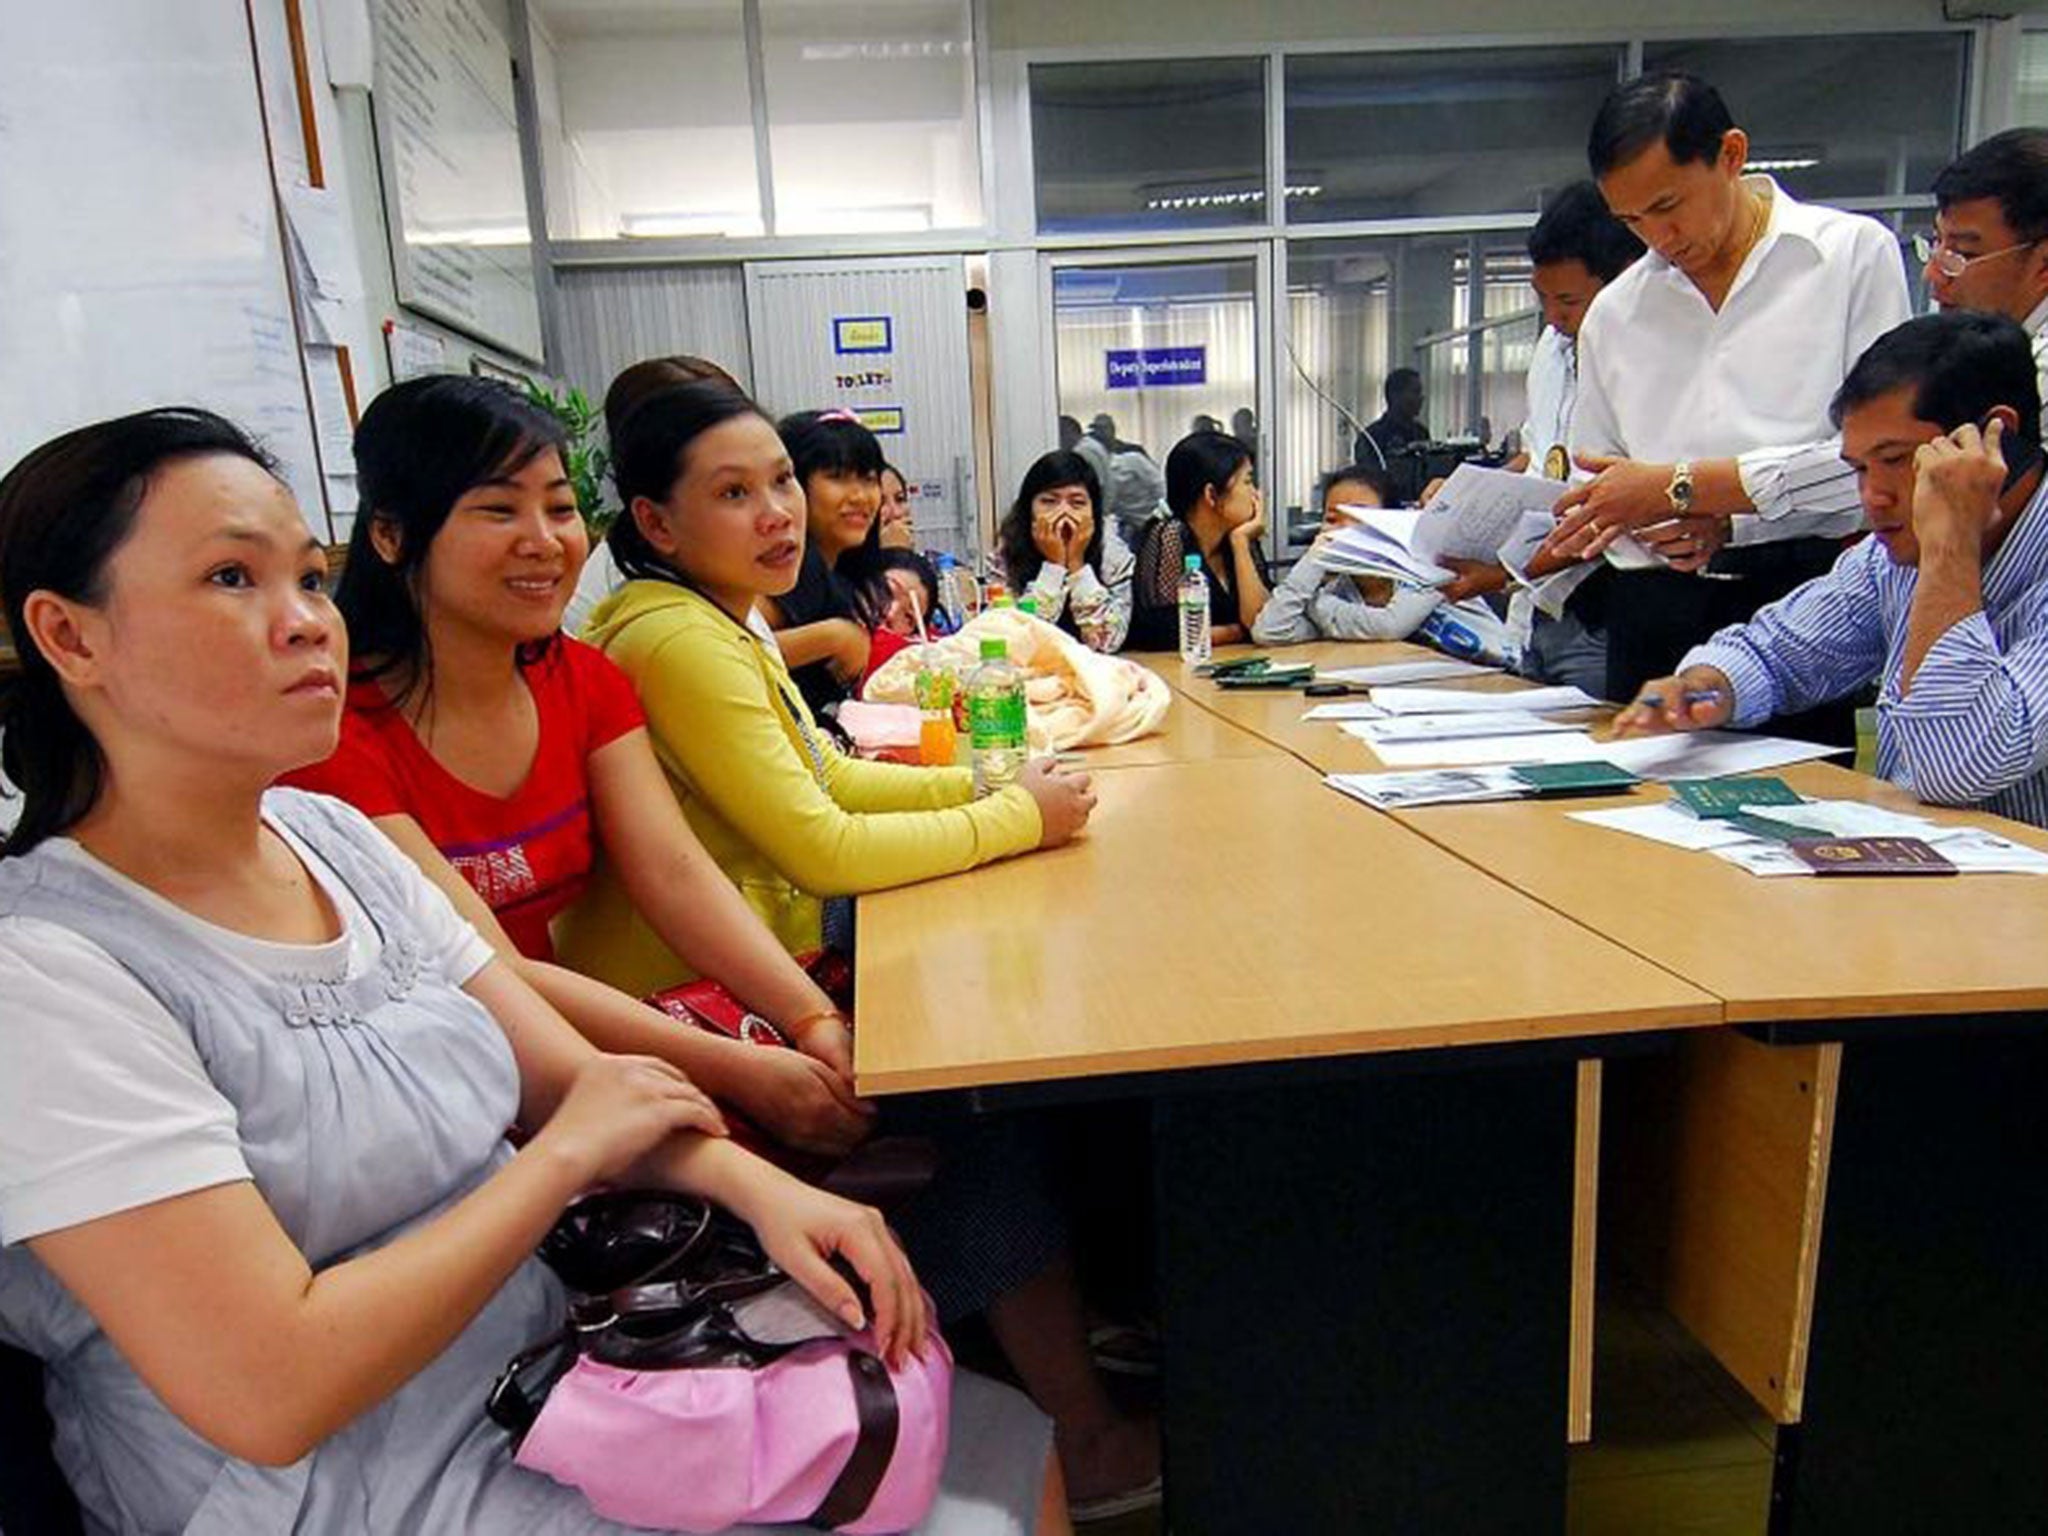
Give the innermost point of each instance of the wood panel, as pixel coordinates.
(1225, 912)
(1716, 1188)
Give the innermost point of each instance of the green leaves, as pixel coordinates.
(587, 458)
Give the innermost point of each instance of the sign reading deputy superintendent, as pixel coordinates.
(1150, 367)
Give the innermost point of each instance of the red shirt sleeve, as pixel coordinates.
(361, 771)
(607, 704)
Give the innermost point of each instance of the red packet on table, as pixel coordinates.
(1870, 856)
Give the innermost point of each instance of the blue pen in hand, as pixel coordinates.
(1692, 698)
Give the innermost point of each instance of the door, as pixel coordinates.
(1149, 347)
(887, 340)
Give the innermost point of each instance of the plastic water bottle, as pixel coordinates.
(995, 719)
(958, 594)
(1194, 614)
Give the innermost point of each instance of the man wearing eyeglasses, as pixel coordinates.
(1989, 249)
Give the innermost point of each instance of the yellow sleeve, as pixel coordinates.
(716, 719)
(860, 785)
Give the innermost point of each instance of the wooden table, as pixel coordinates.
(1846, 1183)
(1364, 1145)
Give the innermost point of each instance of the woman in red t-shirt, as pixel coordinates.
(502, 755)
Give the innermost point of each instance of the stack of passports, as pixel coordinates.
(1720, 799)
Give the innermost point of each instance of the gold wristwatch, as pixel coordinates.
(1680, 488)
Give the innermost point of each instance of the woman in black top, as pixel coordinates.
(821, 623)
(1218, 515)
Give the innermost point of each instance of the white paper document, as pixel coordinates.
(1477, 510)
(1396, 791)
(1668, 823)
(1551, 747)
(1355, 709)
(1435, 669)
(1444, 701)
(1709, 754)
(1456, 727)
(1381, 542)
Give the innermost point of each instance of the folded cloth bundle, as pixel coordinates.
(1078, 697)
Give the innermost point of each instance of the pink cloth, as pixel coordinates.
(702, 1450)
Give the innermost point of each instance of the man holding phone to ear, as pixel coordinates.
(1945, 605)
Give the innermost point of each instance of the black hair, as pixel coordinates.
(64, 511)
(1576, 226)
(1399, 379)
(2011, 168)
(648, 446)
(890, 469)
(419, 448)
(834, 443)
(1381, 482)
(1680, 111)
(1959, 365)
(1198, 461)
(1053, 471)
(872, 597)
(652, 375)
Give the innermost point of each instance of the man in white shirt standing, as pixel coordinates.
(1990, 245)
(1705, 374)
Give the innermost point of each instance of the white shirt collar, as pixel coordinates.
(2035, 321)
(1788, 219)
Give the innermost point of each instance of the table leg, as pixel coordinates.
(1366, 1297)
(1924, 1384)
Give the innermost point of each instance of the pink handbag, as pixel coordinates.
(704, 1389)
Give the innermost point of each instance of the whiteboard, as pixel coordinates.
(454, 191)
(140, 256)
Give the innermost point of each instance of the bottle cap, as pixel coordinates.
(994, 649)
(1028, 605)
(1192, 564)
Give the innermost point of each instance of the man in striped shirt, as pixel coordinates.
(1945, 606)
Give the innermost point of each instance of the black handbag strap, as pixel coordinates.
(874, 1400)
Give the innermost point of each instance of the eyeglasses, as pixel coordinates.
(1930, 250)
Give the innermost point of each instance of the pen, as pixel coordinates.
(1691, 696)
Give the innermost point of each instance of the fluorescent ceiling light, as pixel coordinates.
(482, 234)
(1238, 199)
(1800, 161)
(876, 52)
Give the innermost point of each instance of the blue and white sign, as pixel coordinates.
(1151, 367)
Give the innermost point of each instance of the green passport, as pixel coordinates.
(1713, 798)
(1575, 778)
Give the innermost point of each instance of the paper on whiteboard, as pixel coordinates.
(1551, 747)
(1463, 727)
(1444, 701)
(1436, 669)
(1710, 754)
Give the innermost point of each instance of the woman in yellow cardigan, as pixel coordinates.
(714, 520)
